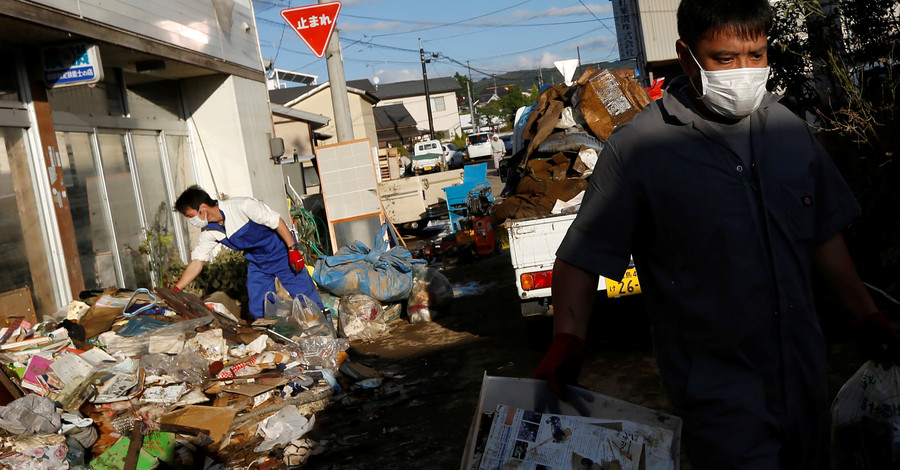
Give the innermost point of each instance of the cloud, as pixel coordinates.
(523, 62)
(391, 76)
(596, 8)
(379, 26)
(596, 43)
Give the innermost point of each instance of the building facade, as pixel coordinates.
(108, 110)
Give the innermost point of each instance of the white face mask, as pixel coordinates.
(733, 93)
(196, 221)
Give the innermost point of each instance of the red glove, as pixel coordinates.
(561, 365)
(877, 340)
(295, 258)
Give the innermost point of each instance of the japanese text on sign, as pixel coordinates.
(313, 22)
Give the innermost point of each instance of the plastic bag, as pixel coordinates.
(157, 364)
(191, 367)
(283, 427)
(312, 320)
(322, 351)
(298, 318)
(865, 419)
(431, 290)
(382, 273)
(361, 317)
(276, 307)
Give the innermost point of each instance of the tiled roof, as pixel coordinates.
(387, 91)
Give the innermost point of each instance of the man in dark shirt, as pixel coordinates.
(728, 205)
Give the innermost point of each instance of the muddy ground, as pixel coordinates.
(420, 417)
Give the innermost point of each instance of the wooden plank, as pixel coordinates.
(49, 152)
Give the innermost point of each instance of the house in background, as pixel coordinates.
(316, 99)
(299, 131)
(411, 94)
(395, 126)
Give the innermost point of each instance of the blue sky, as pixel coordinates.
(380, 37)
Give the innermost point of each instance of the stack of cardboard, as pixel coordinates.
(563, 135)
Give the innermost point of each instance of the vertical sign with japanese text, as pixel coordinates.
(626, 29)
(314, 24)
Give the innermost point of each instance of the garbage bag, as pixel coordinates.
(361, 317)
(865, 418)
(430, 291)
(382, 273)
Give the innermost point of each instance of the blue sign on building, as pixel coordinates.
(71, 64)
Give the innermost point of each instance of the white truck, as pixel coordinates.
(412, 201)
(532, 247)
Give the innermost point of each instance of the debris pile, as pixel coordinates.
(564, 133)
(148, 378)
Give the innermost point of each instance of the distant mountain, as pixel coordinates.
(526, 78)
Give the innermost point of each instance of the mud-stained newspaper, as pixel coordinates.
(523, 439)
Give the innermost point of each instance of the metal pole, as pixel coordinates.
(427, 95)
(471, 103)
(475, 126)
(343, 124)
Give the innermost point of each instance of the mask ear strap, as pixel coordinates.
(700, 93)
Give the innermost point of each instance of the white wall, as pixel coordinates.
(231, 124)
(196, 25)
(446, 120)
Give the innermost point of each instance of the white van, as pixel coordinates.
(479, 145)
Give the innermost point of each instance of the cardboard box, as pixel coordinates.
(535, 395)
(605, 102)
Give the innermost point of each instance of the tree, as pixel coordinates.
(463, 93)
(836, 63)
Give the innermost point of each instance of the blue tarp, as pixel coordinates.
(382, 273)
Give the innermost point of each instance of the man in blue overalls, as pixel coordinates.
(249, 225)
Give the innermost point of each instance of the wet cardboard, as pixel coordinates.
(214, 419)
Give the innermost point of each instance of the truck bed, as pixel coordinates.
(407, 199)
(532, 247)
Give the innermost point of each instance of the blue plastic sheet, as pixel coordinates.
(382, 273)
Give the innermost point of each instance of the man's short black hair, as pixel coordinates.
(746, 18)
(192, 198)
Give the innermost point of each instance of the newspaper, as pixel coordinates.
(523, 439)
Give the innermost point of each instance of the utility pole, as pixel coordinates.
(475, 126)
(427, 94)
(343, 125)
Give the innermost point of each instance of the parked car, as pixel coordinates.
(428, 156)
(507, 142)
(453, 156)
(478, 145)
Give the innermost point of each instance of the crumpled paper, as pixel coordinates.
(283, 427)
(31, 414)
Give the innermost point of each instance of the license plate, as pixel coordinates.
(629, 285)
(428, 168)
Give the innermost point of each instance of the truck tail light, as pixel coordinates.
(536, 280)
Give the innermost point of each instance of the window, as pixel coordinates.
(437, 104)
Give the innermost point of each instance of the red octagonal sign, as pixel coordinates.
(314, 24)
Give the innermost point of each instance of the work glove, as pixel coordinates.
(877, 340)
(295, 258)
(561, 365)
